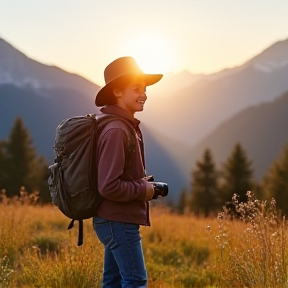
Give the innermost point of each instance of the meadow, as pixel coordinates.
(37, 250)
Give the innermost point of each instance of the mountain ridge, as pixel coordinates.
(208, 102)
(20, 70)
(260, 129)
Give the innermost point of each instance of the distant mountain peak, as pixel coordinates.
(21, 71)
(273, 56)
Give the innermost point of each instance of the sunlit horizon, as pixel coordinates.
(200, 37)
(153, 60)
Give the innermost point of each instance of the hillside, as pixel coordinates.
(41, 113)
(191, 112)
(19, 70)
(262, 130)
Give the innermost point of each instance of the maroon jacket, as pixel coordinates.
(123, 189)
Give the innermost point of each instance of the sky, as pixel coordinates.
(200, 36)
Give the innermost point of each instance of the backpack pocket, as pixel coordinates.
(53, 181)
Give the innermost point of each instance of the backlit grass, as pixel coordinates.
(37, 250)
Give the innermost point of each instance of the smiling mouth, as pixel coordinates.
(140, 101)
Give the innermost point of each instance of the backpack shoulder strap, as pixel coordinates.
(104, 119)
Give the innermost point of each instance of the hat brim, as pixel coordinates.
(104, 95)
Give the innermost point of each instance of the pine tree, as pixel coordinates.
(237, 175)
(275, 183)
(204, 186)
(21, 164)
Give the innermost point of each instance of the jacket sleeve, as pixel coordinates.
(111, 160)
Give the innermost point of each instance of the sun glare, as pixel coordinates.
(153, 52)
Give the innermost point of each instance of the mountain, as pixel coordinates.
(262, 130)
(42, 95)
(171, 82)
(21, 71)
(166, 160)
(193, 111)
(41, 114)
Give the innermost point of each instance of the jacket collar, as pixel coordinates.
(118, 111)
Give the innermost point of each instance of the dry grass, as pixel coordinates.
(37, 250)
(41, 252)
(177, 250)
(253, 252)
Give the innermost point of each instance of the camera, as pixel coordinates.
(160, 188)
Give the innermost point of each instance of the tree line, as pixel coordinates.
(21, 169)
(213, 187)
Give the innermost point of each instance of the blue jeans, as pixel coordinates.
(124, 264)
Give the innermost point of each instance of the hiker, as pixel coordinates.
(122, 182)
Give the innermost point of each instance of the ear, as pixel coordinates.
(117, 93)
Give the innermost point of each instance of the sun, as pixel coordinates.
(153, 52)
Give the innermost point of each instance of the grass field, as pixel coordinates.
(37, 250)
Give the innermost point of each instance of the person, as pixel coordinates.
(126, 189)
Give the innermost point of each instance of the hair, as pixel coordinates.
(118, 84)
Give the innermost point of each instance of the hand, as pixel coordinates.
(149, 178)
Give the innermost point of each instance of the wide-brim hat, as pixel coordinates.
(118, 70)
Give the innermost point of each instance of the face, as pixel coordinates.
(132, 97)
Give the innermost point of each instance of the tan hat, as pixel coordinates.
(121, 68)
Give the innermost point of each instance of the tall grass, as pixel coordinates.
(177, 250)
(42, 253)
(253, 252)
(37, 250)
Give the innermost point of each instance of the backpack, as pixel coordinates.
(73, 176)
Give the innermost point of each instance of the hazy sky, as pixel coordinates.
(201, 36)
